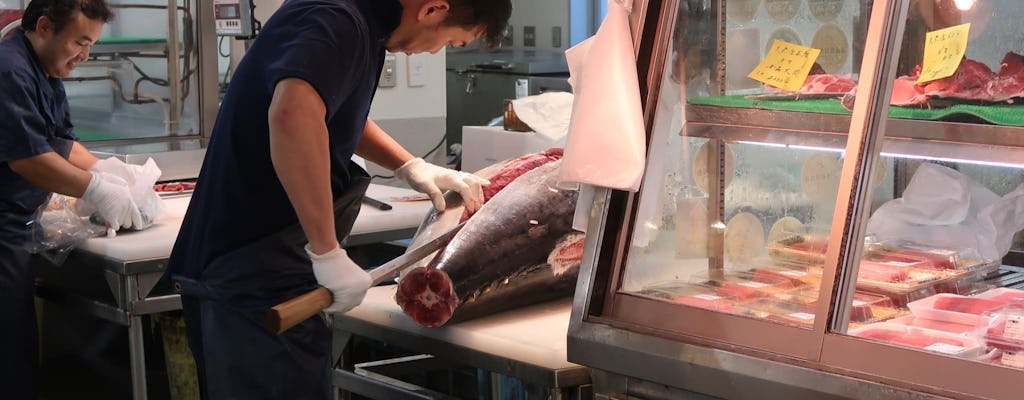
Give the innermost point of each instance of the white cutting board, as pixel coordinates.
(534, 334)
(157, 241)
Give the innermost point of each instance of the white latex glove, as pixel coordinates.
(428, 178)
(347, 281)
(113, 201)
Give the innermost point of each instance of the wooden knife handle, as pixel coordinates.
(291, 312)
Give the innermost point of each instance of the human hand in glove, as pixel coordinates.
(347, 281)
(428, 178)
(113, 201)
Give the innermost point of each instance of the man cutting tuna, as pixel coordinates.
(277, 191)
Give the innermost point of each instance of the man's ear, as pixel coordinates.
(44, 26)
(434, 11)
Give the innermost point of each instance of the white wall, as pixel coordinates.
(405, 101)
(542, 14)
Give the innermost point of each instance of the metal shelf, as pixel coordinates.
(912, 138)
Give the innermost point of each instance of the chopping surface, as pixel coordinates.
(534, 335)
(157, 241)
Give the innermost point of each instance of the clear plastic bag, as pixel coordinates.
(58, 229)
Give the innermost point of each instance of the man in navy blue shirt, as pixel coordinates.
(39, 155)
(277, 190)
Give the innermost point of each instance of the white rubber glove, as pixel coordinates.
(113, 201)
(428, 178)
(347, 281)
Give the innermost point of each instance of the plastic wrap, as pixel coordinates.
(58, 229)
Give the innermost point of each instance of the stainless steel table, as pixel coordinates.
(527, 343)
(114, 278)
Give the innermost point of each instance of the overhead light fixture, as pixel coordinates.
(964, 5)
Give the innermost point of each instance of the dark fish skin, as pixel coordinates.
(535, 284)
(518, 227)
(530, 285)
(521, 228)
(500, 174)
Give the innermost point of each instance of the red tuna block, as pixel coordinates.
(966, 305)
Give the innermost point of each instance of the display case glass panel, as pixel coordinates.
(734, 214)
(937, 245)
(141, 79)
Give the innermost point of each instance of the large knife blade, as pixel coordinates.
(291, 312)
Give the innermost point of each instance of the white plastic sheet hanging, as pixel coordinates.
(606, 142)
(944, 208)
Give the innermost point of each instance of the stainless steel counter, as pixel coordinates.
(117, 279)
(527, 343)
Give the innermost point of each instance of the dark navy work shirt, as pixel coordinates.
(337, 46)
(34, 119)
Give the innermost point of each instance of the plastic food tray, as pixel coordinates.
(923, 339)
(927, 308)
(694, 295)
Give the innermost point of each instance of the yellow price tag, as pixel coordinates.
(943, 51)
(785, 66)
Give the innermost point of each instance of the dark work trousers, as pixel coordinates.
(19, 344)
(225, 308)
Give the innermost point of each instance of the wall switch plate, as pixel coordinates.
(416, 67)
(389, 74)
(556, 37)
(529, 36)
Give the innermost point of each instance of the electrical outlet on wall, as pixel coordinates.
(529, 36)
(556, 37)
(416, 67)
(389, 74)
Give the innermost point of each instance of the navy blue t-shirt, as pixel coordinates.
(337, 46)
(34, 119)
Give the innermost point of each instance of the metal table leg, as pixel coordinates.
(136, 352)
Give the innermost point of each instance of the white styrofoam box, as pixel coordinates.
(486, 145)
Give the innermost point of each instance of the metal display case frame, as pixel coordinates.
(641, 346)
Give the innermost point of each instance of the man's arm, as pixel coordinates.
(299, 149)
(380, 148)
(52, 172)
(81, 157)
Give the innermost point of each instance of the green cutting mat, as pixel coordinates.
(90, 136)
(823, 106)
(130, 40)
(999, 114)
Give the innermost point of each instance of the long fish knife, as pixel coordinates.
(291, 312)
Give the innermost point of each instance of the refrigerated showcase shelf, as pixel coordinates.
(913, 138)
(1004, 114)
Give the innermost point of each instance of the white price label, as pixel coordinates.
(859, 303)
(756, 285)
(1013, 359)
(1014, 327)
(945, 348)
(794, 273)
(708, 297)
(803, 316)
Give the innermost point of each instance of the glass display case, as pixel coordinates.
(142, 79)
(830, 207)
(150, 79)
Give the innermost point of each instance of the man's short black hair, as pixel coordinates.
(491, 15)
(61, 12)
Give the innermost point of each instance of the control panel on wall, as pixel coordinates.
(234, 18)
